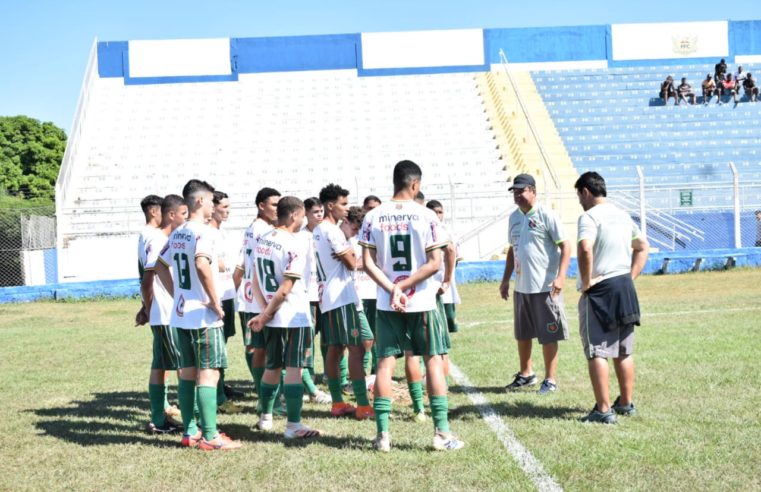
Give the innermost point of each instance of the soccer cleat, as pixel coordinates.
(166, 428)
(300, 431)
(364, 412)
(624, 410)
(342, 408)
(547, 387)
(320, 397)
(233, 394)
(220, 443)
(445, 441)
(382, 442)
(598, 417)
(265, 422)
(521, 381)
(420, 417)
(229, 407)
(173, 412)
(189, 441)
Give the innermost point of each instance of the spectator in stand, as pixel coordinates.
(668, 90)
(720, 70)
(751, 89)
(740, 76)
(709, 89)
(727, 86)
(685, 92)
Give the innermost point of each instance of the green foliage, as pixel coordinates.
(30, 156)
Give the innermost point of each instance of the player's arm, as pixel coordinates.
(504, 287)
(146, 291)
(639, 255)
(347, 258)
(205, 276)
(585, 263)
(238, 276)
(257, 291)
(428, 269)
(165, 276)
(369, 259)
(450, 260)
(565, 260)
(259, 321)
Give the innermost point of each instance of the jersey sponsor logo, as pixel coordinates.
(399, 217)
(411, 291)
(531, 224)
(180, 309)
(552, 327)
(182, 236)
(248, 291)
(394, 227)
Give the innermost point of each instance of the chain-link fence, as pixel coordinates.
(27, 246)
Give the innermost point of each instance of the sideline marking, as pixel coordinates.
(530, 465)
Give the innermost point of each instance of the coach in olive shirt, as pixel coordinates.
(539, 255)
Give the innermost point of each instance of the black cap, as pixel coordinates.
(521, 181)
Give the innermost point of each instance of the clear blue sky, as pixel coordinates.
(44, 44)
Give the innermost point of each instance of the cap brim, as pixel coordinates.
(518, 187)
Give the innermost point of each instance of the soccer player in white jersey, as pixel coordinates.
(243, 277)
(282, 265)
(402, 251)
(151, 207)
(226, 292)
(342, 323)
(314, 215)
(197, 314)
(156, 310)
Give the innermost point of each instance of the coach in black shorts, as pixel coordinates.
(608, 307)
(539, 255)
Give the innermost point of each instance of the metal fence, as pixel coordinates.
(27, 246)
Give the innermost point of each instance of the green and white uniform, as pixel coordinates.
(246, 302)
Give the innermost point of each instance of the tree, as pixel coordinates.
(30, 156)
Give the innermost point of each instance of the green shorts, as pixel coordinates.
(440, 307)
(370, 308)
(202, 348)
(314, 310)
(450, 312)
(421, 333)
(228, 306)
(166, 353)
(251, 339)
(287, 347)
(345, 326)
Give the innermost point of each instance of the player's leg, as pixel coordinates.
(270, 382)
(624, 366)
(359, 339)
(186, 388)
(335, 335)
(298, 344)
(551, 327)
(598, 346)
(166, 357)
(524, 331)
(389, 340)
(414, 376)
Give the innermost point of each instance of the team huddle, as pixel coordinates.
(375, 282)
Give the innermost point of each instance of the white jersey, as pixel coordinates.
(366, 288)
(246, 301)
(336, 284)
(188, 242)
(277, 255)
(153, 243)
(401, 233)
(147, 232)
(451, 296)
(226, 286)
(313, 285)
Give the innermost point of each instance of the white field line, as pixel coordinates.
(530, 465)
(645, 314)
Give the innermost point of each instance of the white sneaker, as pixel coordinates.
(300, 431)
(446, 442)
(548, 386)
(265, 422)
(382, 442)
(420, 417)
(320, 397)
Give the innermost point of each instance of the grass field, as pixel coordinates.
(74, 402)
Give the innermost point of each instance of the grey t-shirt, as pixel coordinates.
(611, 231)
(534, 237)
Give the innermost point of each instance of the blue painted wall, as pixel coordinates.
(745, 37)
(111, 57)
(285, 54)
(548, 44)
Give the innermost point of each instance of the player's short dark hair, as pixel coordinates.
(219, 196)
(312, 201)
(332, 192)
(370, 198)
(171, 203)
(150, 201)
(405, 172)
(194, 186)
(356, 215)
(420, 196)
(286, 206)
(593, 182)
(434, 204)
(264, 194)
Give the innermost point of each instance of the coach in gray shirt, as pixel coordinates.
(539, 255)
(608, 307)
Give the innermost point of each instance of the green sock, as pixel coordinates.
(258, 372)
(166, 396)
(439, 409)
(267, 396)
(156, 397)
(250, 363)
(207, 404)
(367, 360)
(334, 385)
(221, 398)
(382, 407)
(324, 352)
(186, 394)
(294, 401)
(306, 378)
(374, 366)
(360, 392)
(416, 394)
(343, 367)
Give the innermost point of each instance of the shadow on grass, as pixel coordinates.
(518, 409)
